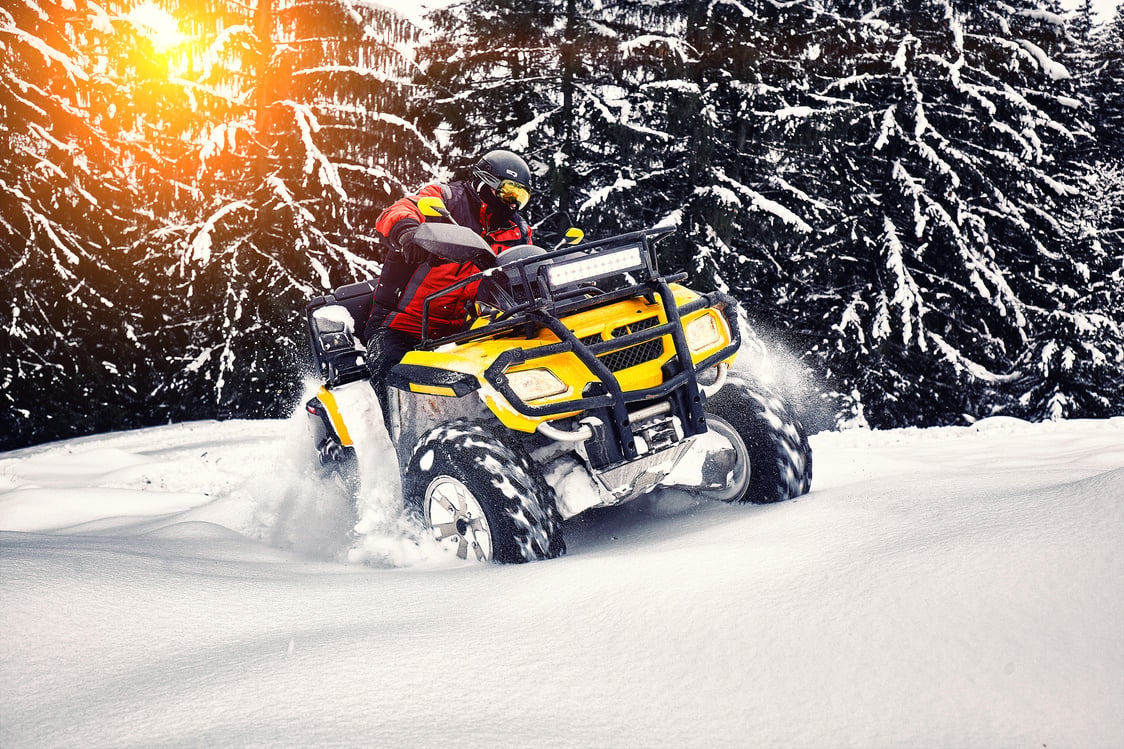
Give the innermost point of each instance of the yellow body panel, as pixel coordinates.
(474, 357)
(432, 389)
(325, 396)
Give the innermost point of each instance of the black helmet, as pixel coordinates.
(507, 174)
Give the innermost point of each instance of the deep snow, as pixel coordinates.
(193, 585)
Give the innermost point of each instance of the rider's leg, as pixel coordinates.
(385, 348)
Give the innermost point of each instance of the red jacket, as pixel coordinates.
(403, 287)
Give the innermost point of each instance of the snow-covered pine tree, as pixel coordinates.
(564, 83)
(289, 174)
(725, 108)
(641, 112)
(341, 85)
(1071, 365)
(644, 113)
(948, 153)
(1074, 365)
(493, 78)
(1082, 22)
(69, 347)
(1105, 85)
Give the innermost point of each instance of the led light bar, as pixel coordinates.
(595, 266)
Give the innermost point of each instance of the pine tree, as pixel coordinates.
(952, 149)
(1074, 366)
(65, 212)
(647, 114)
(169, 207)
(740, 217)
(1105, 85)
(926, 197)
(292, 171)
(565, 83)
(342, 72)
(1082, 22)
(491, 76)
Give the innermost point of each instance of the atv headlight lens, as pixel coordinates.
(595, 266)
(702, 334)
(533, 384)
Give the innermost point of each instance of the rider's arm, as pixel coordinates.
(398, 222)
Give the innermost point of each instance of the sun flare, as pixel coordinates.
(157, 25)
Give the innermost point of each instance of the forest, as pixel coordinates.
(920, 201)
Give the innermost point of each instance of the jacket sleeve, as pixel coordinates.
(404, 210)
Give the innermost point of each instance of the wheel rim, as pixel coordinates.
(457, 519)
(739, 475)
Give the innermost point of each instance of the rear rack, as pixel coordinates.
(343, 363)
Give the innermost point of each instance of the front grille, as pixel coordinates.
(636, 327)
(633, 355)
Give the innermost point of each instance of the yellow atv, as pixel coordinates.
(586, 379)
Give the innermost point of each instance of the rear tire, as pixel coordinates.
(484, 499)
(779, 454)
(339, 467)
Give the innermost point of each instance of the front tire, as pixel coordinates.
(483, 498)
(777, 444)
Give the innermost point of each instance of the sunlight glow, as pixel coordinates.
(157, 25)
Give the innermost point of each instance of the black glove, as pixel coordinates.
(484, 260)
(403, 237)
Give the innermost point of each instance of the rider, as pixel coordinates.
(487, 201)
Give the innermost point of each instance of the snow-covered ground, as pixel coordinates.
(193, 585)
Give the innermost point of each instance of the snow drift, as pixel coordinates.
(196, 585)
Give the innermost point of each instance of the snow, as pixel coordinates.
(1055, 70)
(602, 194)
(190, 585)
(414, 10)
(907, 299)
(337, 314)
(49, 53)
(201, 243)
(801, 112)
(671, 43)
(1102, 9)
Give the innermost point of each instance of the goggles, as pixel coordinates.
(508, 190)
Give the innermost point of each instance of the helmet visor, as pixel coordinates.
(508, 190)
(513, 193)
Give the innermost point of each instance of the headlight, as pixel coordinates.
(533, 384)
(703, 333)
(595, 266)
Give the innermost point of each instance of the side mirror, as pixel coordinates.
(573, 236)
(433, 207)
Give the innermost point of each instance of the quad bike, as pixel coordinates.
(586, 379)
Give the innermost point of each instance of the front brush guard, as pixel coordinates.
(614, 439)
